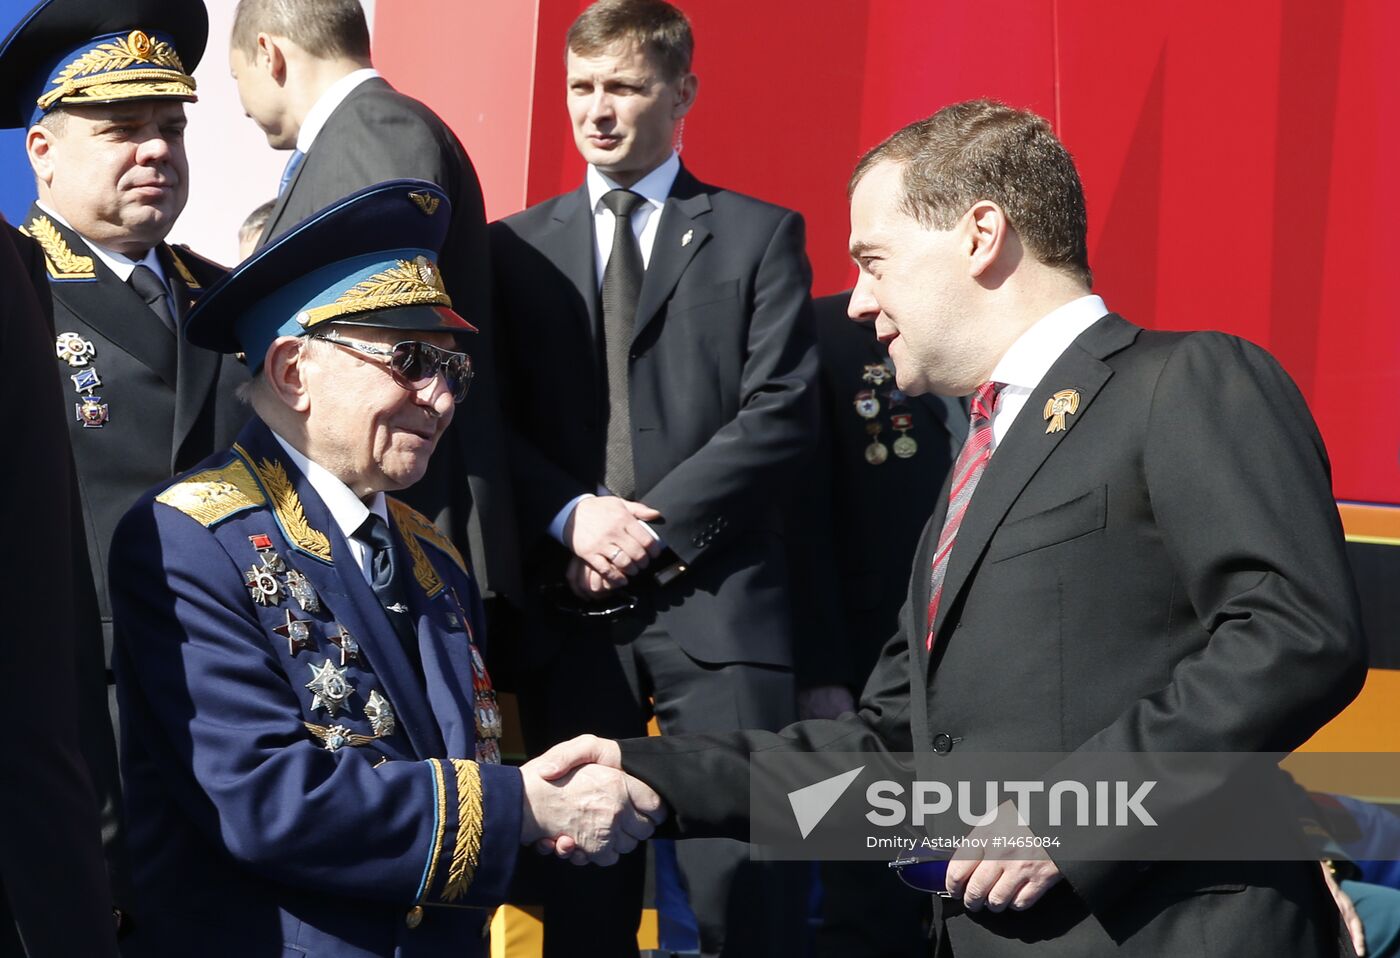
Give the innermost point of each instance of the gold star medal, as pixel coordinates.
(1057, 407)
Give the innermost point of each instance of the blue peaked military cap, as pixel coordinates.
(84, 52)
(368, 260)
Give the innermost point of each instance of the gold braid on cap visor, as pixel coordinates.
(103, 73)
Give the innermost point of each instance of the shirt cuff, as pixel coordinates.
(561, 518)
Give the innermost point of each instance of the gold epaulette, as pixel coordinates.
(62, 262)
(184, 271)
(414, 526)
(211, 496)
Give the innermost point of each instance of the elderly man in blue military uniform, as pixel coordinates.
(309, 742)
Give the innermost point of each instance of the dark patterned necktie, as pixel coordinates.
(967, 471)
(622, 285)
(388, 589)
(149, 287)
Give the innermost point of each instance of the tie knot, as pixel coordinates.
(984, 400)
(147, 284)
(622, 202)
(374, 532)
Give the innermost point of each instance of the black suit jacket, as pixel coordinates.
(857, 522)
(168, 405)
(1167, 574)
(51, 861)
(379, 134)
(721, 399)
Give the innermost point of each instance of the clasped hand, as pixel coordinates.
(610, 543)
(580, 805)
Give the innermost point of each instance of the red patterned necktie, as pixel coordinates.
(972, 462)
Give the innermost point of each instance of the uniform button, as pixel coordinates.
(943, 743)
(414, 918)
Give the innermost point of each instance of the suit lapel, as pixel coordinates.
(1027, 445)
(349, 598)
(198, 368)
(679, 237)
(113, 310)
(570, 245)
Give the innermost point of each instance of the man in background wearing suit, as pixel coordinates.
(305, 77)
(101, 89)
(55, 900)
(1138, 551)
(657, 366)
(881, 461)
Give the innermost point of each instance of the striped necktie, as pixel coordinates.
(972, 462)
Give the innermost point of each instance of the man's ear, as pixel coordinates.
(39, 144)
(686, 89)
(285, 370)
(985, 236)
(272, 58)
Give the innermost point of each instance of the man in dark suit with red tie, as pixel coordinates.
(1137, 551)
(656, 367)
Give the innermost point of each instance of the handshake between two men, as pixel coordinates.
(587, 813)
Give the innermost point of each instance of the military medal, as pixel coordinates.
(336, 737)
(86, 380)
(877, 374)
(1057, 407)
(380, 714)
(91, 412)
(263, 585)
(272, 562)
(487, 714)
(73, 349)
(330, 688)
(297, 633)
(904, 446)
(867, 406)
(877, 452)
(300, 588)
(333, 738)
(349, 648)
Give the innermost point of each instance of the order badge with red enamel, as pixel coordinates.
(488, 715)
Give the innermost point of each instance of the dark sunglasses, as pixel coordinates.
(923, 873)
(414, 364)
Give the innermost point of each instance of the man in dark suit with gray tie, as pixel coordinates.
(305, 76)
(657, 369)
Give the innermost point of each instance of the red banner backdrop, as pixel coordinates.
(1234, 154)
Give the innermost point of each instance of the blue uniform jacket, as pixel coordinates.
(266, 818)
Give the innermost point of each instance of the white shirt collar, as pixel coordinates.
(1035, 351)
(346, 508)
(118, 263)
(654, 187)
(326, 104)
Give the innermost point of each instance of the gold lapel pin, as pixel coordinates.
(1057, 407)
(689, 235)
